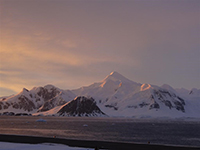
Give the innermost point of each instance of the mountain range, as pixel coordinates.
(114, 96)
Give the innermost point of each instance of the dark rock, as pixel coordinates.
(182, 100)
(26, 104)
(154, 106)
(46, 94)
(50, 104)
(8, 113)
(179, 106)
(175, 101)
(111, 106)
(3, 99)
(81, 106)
(132, 106)
(23, 114)
(168, 104)
(143, 104)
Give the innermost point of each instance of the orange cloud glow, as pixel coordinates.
(75, 43)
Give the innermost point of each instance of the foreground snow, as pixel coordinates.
(45, 146)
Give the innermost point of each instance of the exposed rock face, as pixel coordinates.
(48, 92)
(161, 96)
(51, 104)
(81, 106)
(22, 102)
(58, 100)
(170, 99)
(37, 99)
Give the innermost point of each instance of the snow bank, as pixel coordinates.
(45, 146)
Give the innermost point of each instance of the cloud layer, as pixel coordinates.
(75, 43)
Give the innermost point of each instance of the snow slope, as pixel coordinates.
(45, 146)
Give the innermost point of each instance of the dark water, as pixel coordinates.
(170, 132)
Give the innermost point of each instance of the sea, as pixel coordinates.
(184, 132)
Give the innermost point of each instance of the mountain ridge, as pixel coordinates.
(115, 96)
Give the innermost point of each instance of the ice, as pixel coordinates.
(40, 120)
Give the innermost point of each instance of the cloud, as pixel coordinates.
(72, 43)
(67, 43)
(25, 63)
(6, 91)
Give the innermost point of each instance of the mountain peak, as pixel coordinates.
(49, 86)
(114, 73)
(115, 76)
(24, 91)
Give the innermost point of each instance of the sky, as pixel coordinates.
(74, 43)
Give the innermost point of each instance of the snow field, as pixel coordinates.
(44, 146)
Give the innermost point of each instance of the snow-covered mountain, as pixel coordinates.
(189, 94)
(119, 96)
(115, 96)
(37, 99)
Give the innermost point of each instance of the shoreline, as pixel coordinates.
(88, 143)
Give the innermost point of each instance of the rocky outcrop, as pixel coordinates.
(58, 100)
(171, 100)
(81, 106)
(37, 99)
(22, 103)
(48, 92)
